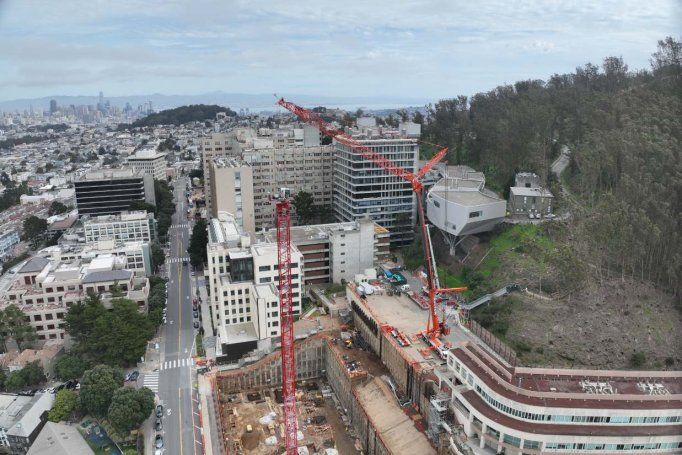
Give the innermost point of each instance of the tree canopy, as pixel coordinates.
(303, 203)
(70, 366)
(65, 403)
(623, 132)
(198, 242)
(97, 389)
(57, 208)
(114, 337)
(130, 407)
(180, 115)
(35, 229)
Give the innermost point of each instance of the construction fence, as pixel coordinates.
(492, 342)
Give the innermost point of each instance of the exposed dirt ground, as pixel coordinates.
(600, 327)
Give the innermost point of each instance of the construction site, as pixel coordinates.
(400, 369)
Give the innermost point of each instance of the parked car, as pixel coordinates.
(196, 324)
(158, 425)
(159, 410)
(134, 375)
(158, 442)
(196, 314)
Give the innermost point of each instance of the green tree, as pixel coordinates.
(15, 381)
(197, 243)
(35, 229)
(65, 403)
(33, 373)
(81, 318)
(57, 208)
(303, 203)
(70, 366)
(97, 388)
(158, 256)
(130, 407)
(418, 117)
(120, 336)
(13, 324)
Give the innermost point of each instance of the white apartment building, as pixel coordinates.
(45, 286)
(362, 189)
(534, 410)
(7, 241)
(127, 226)
(243, 293)
(232, 186)
(149, 161)
(337, 251)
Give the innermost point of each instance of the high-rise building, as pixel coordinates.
(362, 189)
(243, 294)
(53, 106)
(231, 181)
(217, 145)
(111, 191)
(285, 158)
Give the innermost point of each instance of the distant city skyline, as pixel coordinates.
(412, 50)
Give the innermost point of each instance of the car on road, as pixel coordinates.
(196, 324)
(133, 375)
(158, 425)
(158, 442)
(184, 263)
(159, 410)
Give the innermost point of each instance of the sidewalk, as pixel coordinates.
(211, 432)
(152, 362)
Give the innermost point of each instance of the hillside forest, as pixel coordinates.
(623, 128)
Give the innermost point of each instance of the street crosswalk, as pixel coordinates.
(179, 363)
(175, 260)
(180, 226)
(151, 381)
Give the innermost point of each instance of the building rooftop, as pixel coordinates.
(109, 174)
(597, 389)
(238, 333)
(523, 191)
(395, 429)
(107, 275)
(27, 418)
(147, 153)
(59, 439)
(35, 264)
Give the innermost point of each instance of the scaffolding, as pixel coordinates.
(437, 413)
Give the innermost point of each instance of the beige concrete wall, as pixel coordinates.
(225, 198)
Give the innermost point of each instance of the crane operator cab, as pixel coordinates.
(282, 193)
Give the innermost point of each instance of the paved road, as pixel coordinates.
(177, 375)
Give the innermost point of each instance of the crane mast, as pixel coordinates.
(283, 213)
(434, 327)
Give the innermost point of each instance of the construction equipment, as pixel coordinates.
(283, 215)
(434, 327)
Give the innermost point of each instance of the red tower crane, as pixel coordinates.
(434, 327)
(283, 213)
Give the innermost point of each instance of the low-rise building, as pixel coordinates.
(45, 357)
(460, 205)
(150, 162)
(7, 241)
(21, 420)
(44, 287)
(243, 287)
(528, 197)
(59, 439)
(125, 226)
(535, 410)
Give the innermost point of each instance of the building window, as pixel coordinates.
(475, 214)
(264, 268)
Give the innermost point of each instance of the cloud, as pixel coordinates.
(425, 48)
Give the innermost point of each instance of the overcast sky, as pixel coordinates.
(416, 49)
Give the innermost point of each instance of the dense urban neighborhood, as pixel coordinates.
(484, 274)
